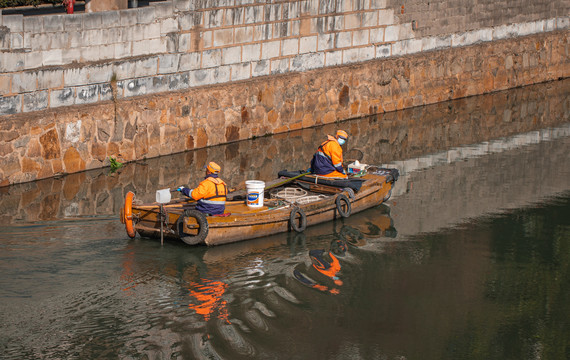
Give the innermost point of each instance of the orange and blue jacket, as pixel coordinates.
(210, 194)
(327, 161)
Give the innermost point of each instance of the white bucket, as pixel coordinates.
(255, 190)
(163, 196)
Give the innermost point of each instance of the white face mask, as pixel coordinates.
(341, 141)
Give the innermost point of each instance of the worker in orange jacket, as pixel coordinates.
(211, 192)
(327, 161)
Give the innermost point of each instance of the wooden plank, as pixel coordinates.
(318, 188)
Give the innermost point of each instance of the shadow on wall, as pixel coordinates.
(383, 139)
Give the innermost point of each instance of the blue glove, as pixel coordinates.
(180, 188)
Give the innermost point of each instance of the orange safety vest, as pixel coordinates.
(211, 190)
(211, 196)
(328, 158)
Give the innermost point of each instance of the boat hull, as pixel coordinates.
(246, 223)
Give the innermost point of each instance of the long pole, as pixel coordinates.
(161, 222)
(286, 181)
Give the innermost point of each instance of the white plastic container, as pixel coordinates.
(255, 190)
(163, 196)
(356, 167)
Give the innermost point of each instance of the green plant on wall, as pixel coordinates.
(115, 165)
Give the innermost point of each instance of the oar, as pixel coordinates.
(286, 181)
(153, 207)
(179, 205)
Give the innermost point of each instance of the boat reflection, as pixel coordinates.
(371, 225)
(325, 263)
(183, 279)
(324, 273)
(205, 280)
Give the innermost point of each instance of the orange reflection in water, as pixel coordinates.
(208, 295)
(128, 275)
(330, 269)
(326, 263)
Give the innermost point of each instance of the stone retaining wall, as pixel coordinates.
(53, 61)
(63, 60)
(440, 17)
(74, 139)
(179, 75)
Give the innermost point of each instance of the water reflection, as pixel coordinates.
(433, 295)
(200, 276)
(208, 295)
(326, 263)
(369, 226)
(324, 273)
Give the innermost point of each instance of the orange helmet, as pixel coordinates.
(213, 167)
(341, 134)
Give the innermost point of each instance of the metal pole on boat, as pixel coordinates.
(161, 224)
(162, 197)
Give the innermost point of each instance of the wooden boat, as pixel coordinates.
(323, 199)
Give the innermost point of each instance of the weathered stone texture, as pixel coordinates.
(50, 145)
(73, 140)
(443, 17)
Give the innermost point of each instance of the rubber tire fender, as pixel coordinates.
(339, 200)
(202, 223)
(293, 223)
(350, 193)
(127, 215)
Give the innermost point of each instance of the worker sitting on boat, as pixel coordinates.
(210, 193)
(327, 161)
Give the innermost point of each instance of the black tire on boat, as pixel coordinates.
(202, 232)
(293, 224)
(350, 193)
(388, 195)
(343, 210)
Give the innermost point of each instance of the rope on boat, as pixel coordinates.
(290, 194)
(295, 195)
(309, 199)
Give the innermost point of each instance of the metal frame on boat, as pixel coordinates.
(325, 199)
